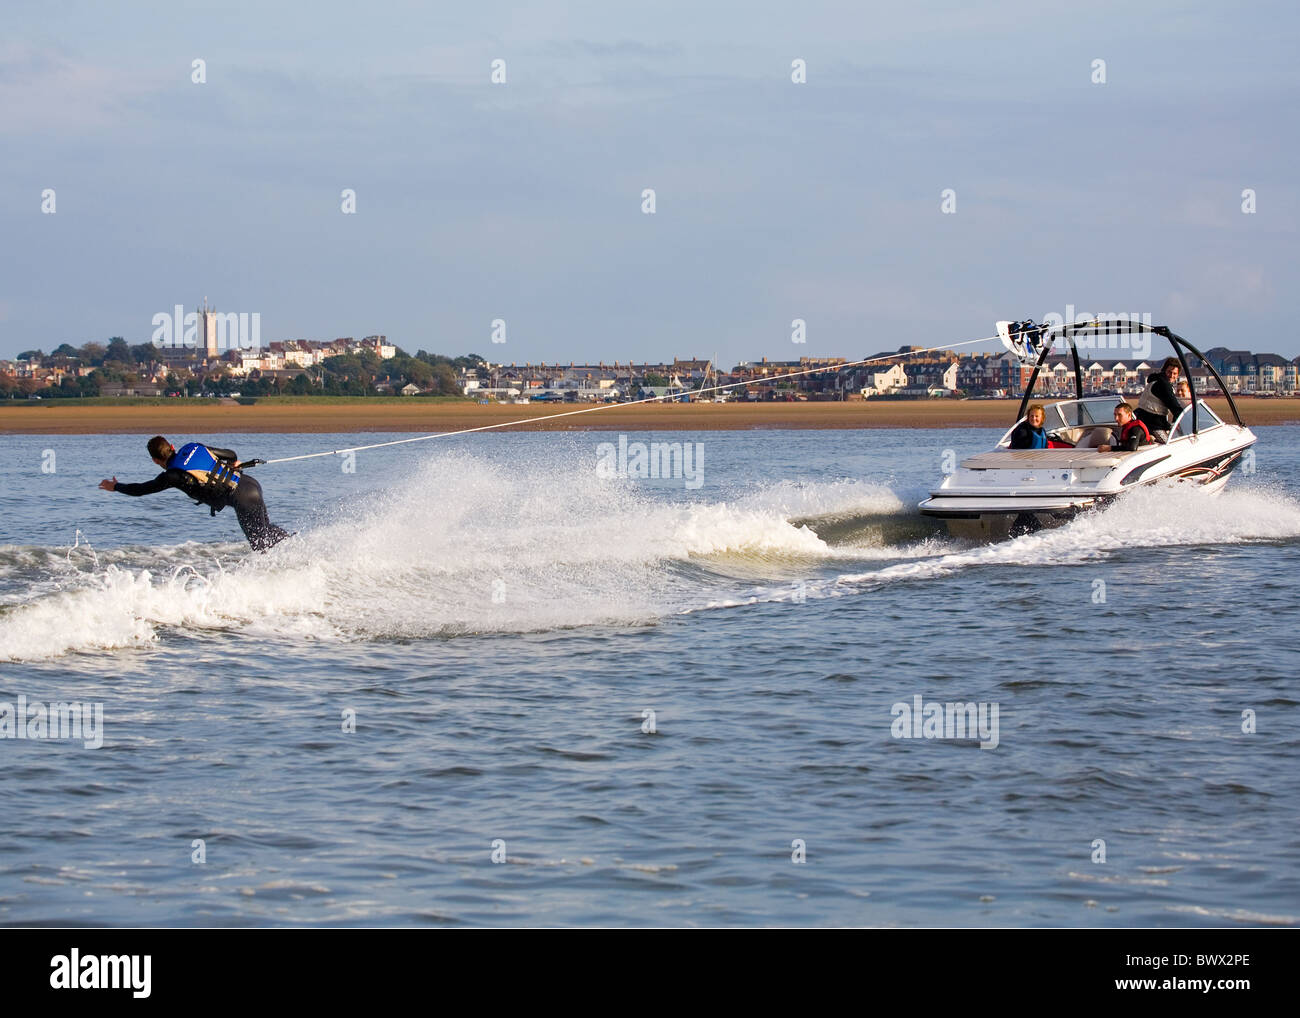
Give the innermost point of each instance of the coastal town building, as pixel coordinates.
(906, 373)
(886, 382)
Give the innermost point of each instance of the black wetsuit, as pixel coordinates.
(1162, 393)
(1133, 434)
(246, 498)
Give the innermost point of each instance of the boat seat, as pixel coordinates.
(1086, 436)
(1092, 437)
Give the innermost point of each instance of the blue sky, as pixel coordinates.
(522, 201)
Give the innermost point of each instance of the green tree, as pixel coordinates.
(445, 381)
(349, 375)
(418, 372)
(119, 351)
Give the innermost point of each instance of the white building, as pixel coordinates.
(381, 346)
(890, 380)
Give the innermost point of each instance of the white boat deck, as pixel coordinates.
(1045, 459)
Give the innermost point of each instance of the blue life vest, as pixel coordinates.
(1037, 438)
(214, 476)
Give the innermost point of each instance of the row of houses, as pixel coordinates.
(292, 355)
(906, 372)
(918, 374)
(1243, 373)
(1248, 372)
(811, 377)
(619, 380)
(52, 374)
(583, 381)
(282, 360)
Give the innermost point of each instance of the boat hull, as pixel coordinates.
(995, 512)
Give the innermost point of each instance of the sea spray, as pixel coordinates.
(1159, 516)
(462, 545)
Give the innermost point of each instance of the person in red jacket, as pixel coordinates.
(1132, 432)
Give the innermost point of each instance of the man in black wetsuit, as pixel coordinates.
(1158, 406)
(216, 488)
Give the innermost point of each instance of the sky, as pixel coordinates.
(523, 200)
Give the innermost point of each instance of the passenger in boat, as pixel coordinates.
(1029, 433)
(1132, 432)
(1158, 406)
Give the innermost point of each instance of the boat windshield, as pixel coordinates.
(1073, 418)
(1205, 420)
(1081, 413)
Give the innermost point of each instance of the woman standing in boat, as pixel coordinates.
(1159, 406)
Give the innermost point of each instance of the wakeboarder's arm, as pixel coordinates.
(160, 483)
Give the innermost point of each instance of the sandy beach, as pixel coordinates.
(413, 415)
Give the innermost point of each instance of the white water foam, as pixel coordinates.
(1150, 517)
(795, 500)
(464, 546)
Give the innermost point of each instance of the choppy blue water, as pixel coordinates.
(500, 618)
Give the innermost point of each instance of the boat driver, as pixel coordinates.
(1132, 432)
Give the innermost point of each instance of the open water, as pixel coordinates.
(497, 621)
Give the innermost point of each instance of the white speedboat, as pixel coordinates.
(1008, 491)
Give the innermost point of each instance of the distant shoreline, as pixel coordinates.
(412, 414)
